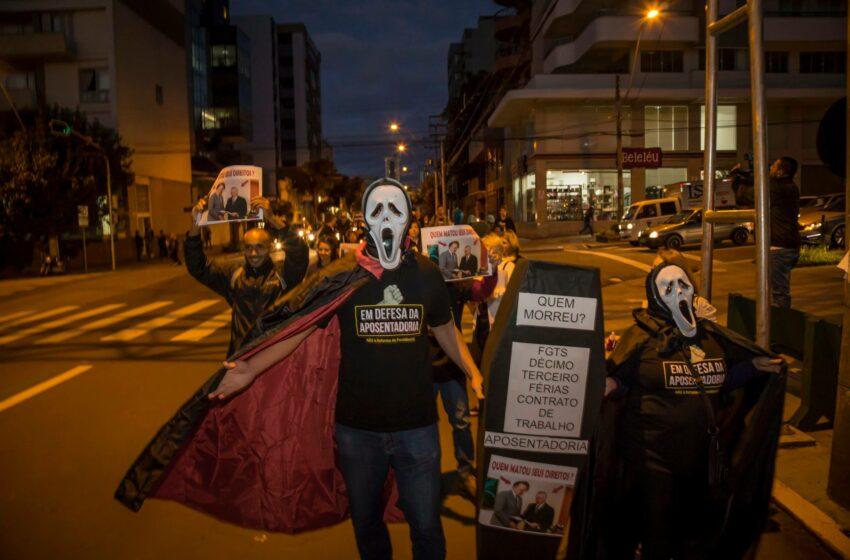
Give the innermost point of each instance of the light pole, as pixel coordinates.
(63, 129)
(650, 15)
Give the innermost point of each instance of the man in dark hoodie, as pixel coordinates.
(251, 288)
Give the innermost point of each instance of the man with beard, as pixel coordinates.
(254, 286)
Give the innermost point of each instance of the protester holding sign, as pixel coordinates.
(350, 344)
(682, 387)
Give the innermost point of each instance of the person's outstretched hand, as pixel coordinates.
(768, 365)
(239, 376)
(477, 383)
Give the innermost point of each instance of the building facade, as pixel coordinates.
(121, 62)
(560, 128)
(299, 88)
(264, 145)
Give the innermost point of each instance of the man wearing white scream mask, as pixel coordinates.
(673, 371)
(386, 414)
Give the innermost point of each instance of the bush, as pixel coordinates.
(819, 255)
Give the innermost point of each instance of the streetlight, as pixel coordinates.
(404, 169)
(394, 126)
(401, 148)
(651, 15)
(63, 129)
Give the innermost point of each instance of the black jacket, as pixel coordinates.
(784, 209)
(250, 292)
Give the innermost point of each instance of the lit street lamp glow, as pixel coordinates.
(652, 14)
(404, 168)
(401, 148)
(394, 126)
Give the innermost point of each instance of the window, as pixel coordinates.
(776, 62)
(94, 85)
(21, 80)
(666, 127)
(733, 59)
(727, 127)
(158, 94)
(222, 56)
(661, 61)
(822, 62)
(143, 198)
(668, 208)
(647, 211)
(570, 192)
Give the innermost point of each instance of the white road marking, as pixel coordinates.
(105, 322)
(141, 329)
(204, 329)
(42, 387)
(637, 264)
(11, 316)
(44, 315)
(59, 322)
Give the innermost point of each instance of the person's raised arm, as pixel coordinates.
(451, 341)
(242, 373)
(214, 277)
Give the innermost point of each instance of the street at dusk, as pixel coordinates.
(424, 279)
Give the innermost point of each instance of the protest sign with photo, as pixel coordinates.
(229, 199)
(457, 251)
(527, 496)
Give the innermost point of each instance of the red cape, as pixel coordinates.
(264, 459)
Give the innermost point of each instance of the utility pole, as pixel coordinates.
(618, 106)
(443, 177)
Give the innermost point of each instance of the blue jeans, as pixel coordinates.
(456, 405)
(364, 459)
(781, 262)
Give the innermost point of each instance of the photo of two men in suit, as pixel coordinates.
(453, 269)
(508, 509)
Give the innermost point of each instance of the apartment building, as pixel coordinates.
(488, 58)
(123, 63)
(560, 128)
(299, 88)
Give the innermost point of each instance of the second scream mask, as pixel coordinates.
(670, 293)
(386, 210)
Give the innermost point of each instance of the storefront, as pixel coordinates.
(570, 191)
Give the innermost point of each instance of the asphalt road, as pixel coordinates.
(93, 365)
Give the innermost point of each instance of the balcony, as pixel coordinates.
(36, 46)
(617, 30)
(508, 56)
(509, 28)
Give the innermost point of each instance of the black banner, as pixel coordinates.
(544, 370)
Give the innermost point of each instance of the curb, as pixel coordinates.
(819, 524)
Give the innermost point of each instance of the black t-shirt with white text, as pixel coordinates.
(385, 379)
(665, 422)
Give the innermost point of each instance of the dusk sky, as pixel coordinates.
(381, 60)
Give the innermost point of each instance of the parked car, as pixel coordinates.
(810, 202)
(824, 224)
(644, 214)
(685, 228)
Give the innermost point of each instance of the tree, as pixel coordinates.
(44, 178)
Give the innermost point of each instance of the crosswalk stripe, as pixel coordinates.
(204, 329)
(637, 264)
(141, 329)
(11, 316)
(42, 387)
(43, 315)
(101, 323)
(59, 322)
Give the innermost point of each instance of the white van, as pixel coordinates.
(647, 213)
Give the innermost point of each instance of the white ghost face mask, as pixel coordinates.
(676, 293)
(387, 213)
